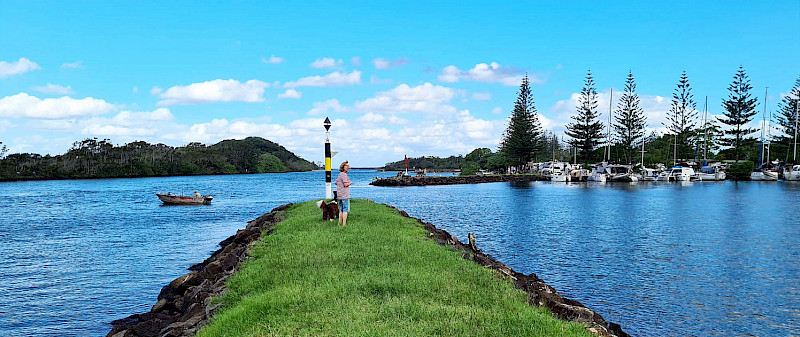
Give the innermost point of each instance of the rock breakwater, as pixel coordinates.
(539, 293)
(187, 303)
(424, 181)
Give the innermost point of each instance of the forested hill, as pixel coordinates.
(430, 163)
(92, 158)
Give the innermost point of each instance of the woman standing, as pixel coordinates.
(343, 193)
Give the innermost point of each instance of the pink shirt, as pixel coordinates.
(342, 192)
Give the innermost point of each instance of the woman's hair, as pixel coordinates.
(341, 167)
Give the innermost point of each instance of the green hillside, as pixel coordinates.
(92, 158)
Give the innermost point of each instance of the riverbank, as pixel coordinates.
(378, 276)
(454, 180)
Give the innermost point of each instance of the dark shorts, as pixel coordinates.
(344, 205)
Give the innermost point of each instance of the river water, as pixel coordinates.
(661, 259)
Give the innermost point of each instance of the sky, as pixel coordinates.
(395, 78)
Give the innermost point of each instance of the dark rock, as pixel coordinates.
(185, 304)
(539, 293)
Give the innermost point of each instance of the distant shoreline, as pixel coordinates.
(141, 176)
(456, 180)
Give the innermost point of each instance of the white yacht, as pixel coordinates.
(791, 173)
(622, 173)
(649, 174)
(764, 174)
(559, 171)
(711, 173)
(677, 173)
(598, 174)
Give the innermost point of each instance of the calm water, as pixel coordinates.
(720, 259)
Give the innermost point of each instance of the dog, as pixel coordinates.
(330, 211)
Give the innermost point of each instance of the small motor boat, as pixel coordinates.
(173, 199)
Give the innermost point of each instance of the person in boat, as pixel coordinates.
(197, 195)
(343, 192)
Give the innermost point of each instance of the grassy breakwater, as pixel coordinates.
(380, 275)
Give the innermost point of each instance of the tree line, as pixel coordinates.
(689, 135)
(93, 158)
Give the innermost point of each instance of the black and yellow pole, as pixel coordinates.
(328, 192)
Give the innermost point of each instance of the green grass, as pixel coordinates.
(379, 276)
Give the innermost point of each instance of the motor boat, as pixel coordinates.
(677, 173)
(598, 174)
(578, 174)
(559, 171)
(791, 173)
(649, 174)
(174, 199)
(711, 173)
(764, 174)
(621, 173)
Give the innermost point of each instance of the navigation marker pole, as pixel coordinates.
(328, 192)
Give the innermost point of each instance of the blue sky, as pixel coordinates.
(414, 78)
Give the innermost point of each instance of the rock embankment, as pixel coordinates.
(539, 292)
(186, 303)
(424, 181)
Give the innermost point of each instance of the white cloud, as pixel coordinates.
(272, 59)
(128, 118)
(458, 134)
(481, 96)
(73, 65)
(372, 118)
(54, 89)
(490, 73)
(135, 90)
(214, 91)
(291, 93)
(156, 91)
(334, 79)
(375, 80)
(113, 130)
(655, 108)
(22, 66)
(326, 62)
(423, 98)
(382, 63)
(356, 61)
(23, 105)
(128, 124)
(324, 108)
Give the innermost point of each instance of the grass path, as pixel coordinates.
(379, 276)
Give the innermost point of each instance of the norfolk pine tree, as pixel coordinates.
(586, 131)
(522, 140)
(787, 118)
(681, 118)
(739, 111)
(630, 119)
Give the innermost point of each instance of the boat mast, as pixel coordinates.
(794, 157)
(608, 133)
(763, 120)
(675, 150)
(705, 132)
(643, 151)
(769, 129)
